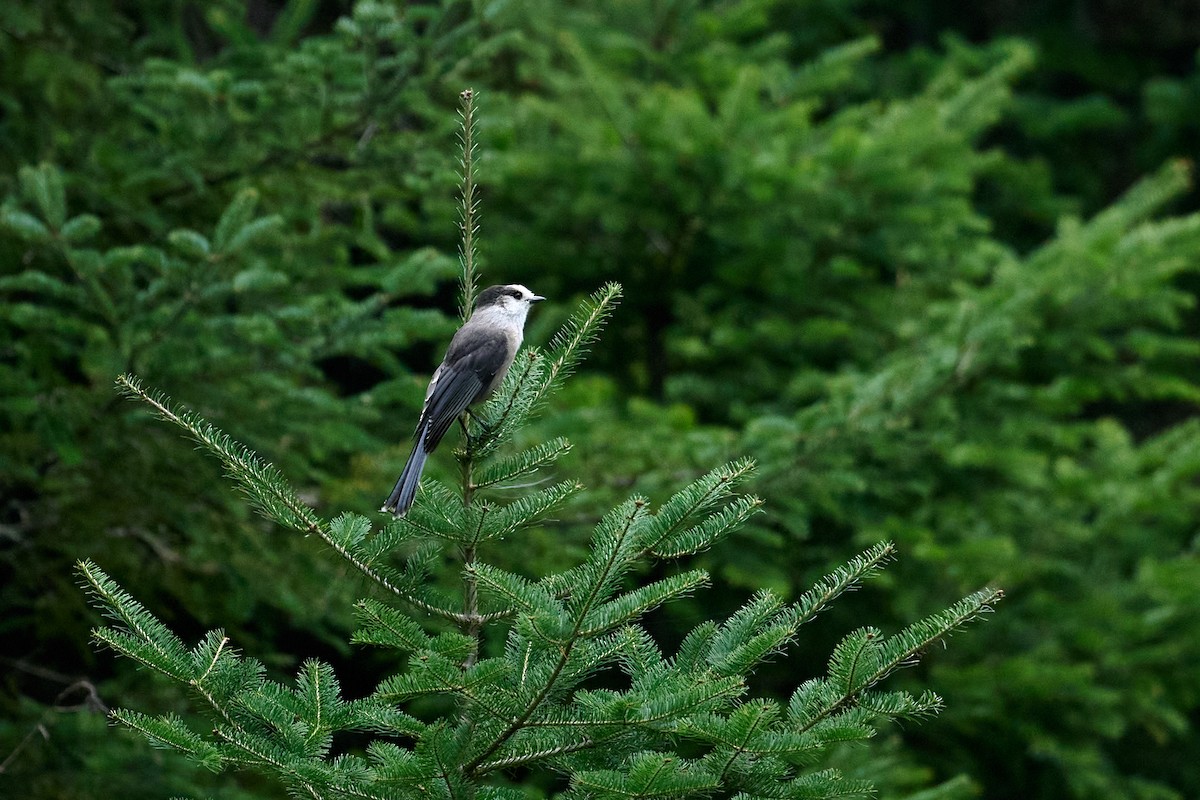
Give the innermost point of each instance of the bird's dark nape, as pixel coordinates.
(489, 296)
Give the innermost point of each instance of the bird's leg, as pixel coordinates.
(468, 440)
(470, 415)
(480, 421)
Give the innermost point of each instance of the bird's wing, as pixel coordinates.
(458, 383)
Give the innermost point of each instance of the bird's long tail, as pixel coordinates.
(405, 490)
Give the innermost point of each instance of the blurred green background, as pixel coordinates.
(934, 265)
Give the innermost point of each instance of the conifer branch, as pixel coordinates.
(572, 640)
(901, 650)
(479, 701)
(354, 791)
(469, 205)
(571, 343)
(169, 731)
(217, 706)
(242, 743)
(213, 662)
(741, 747)
(445, 772)
(473, 625)
(524, 463)
(529, 758)
(906, 647)
(699, 495)
(168, 651)
(471, 622)
(844, 578)
(259, 480)
(265, 487)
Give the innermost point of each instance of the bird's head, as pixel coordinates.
(511, 301)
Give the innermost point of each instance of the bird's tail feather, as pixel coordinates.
(405, 490)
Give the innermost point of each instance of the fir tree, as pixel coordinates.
(529, 674)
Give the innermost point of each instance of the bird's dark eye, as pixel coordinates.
(515, 294)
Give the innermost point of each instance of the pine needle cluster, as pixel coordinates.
(553, 675)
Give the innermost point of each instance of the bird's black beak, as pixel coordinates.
(537, 298)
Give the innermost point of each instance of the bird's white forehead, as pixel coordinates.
(522, 289)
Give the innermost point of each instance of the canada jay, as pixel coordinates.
(475, 363)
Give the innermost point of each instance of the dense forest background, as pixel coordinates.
(933, 265)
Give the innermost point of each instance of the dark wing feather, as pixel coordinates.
(461, 382)
(455, 391)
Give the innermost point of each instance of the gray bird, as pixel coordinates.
(479, 354)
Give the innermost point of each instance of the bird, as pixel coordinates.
(479, 355)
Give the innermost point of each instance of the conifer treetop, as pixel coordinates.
(552, 673)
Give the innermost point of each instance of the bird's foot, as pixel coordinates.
(484, 425)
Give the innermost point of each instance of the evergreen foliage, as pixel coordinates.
(542, 674)
(542, 699)
(836, 279)
(891, 249)
(218, 221)
(996, 440)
